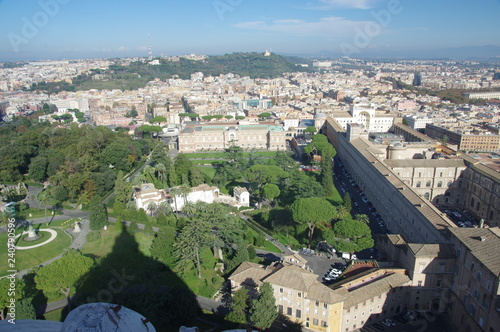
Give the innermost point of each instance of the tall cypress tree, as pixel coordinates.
(98, 214)
(263, 311)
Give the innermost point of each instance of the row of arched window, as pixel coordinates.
(429, 183)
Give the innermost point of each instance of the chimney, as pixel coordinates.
(483, 238)
(481, 223)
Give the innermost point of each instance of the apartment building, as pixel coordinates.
(465, 139)
(417, 122)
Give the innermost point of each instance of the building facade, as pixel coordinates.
(218, 138)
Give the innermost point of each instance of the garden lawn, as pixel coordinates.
(38, 213)
(287, 240)
(208, 171)
(222, 155)
(55, 315)
(107, 242)
(210, 282)
(335, 198)
(26, 259)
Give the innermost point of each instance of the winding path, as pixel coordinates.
(53, 235)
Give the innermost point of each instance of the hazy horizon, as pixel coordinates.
(74, 29)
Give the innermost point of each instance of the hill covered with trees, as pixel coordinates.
(136, 74)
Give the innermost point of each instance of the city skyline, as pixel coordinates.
(71, 29)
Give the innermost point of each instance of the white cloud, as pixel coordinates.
(122, 48)
(328, 26)
(330, 4)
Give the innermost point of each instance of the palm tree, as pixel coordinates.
(164, 208)
(185, 190)
(149, 170)
(189, 209)
(152, 209)
(138, 179)
(160, 170)
(342, 212)
(362, 217)
(175, 192)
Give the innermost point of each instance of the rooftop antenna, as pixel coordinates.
(150, 53)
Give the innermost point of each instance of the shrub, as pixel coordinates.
(251, 252)
(133, 228)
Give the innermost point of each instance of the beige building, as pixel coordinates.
(452, 269)
(428, 177)
(372, 296)
(210, 137)
(478, 189)
(474, 301)
(466, 139)
(362, 299)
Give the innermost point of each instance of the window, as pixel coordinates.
(315, 321)
(420, 283)
(299, 294)
(428, 184)
(440, 184)
(289, 311)
(280, 309)
(325, 305)
(316, 303)
(281, 290)
(298, 313)
(438, 284)
(323, 324)
(419, 184)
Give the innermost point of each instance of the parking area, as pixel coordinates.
(461, 218)
(423, 323)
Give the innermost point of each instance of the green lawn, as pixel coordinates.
(209, 171)
(55, 315)
(335, 198)
(215, 155)
(210, 282)
(269, 246)
(106, 243)
(283, 239)
(26, 259)
(37, 213)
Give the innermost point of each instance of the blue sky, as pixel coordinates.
(56, 29)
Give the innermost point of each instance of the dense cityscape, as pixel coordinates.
(351, 185)
(234, 166)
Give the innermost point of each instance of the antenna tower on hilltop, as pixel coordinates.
(150, 53)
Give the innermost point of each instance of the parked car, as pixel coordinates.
(388, 322)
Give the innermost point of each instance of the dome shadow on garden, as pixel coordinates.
(127, 277)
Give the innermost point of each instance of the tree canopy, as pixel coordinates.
(351, 235)
(311, 213)
(263, 311)
(62, 274)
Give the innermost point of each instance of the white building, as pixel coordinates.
(417, 122)
(147, 194)
(364, 115)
